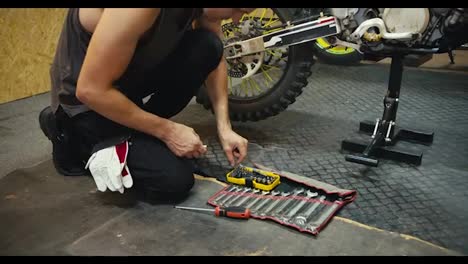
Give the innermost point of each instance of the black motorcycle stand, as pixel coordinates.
(384, 132)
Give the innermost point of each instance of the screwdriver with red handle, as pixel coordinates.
(231, 212)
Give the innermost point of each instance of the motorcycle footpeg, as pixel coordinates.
(362, 160)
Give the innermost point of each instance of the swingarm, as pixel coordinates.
(291, 35)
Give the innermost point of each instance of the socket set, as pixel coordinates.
(253, 178)
(306, 209)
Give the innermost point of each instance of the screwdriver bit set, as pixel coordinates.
(253, 178)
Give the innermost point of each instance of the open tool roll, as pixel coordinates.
(296, 201)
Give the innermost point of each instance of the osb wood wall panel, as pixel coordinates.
(28, 38)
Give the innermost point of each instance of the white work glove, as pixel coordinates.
(109, 168)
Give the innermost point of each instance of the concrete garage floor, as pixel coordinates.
(400, 209)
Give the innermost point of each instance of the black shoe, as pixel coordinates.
(65, 161)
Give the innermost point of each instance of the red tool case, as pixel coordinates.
(332, 200)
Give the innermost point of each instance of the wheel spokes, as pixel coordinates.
(256, 74)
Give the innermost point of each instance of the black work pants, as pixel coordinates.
(154, 168)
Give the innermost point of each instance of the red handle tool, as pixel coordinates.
(231, 212)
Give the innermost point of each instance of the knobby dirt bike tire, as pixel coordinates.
(282, 94)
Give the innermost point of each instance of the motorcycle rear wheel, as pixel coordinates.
(281, 94)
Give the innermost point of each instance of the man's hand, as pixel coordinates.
(234, 146)
(183, 141)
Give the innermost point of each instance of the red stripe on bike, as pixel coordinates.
(327, 20)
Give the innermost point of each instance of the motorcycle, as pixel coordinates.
(271, 53)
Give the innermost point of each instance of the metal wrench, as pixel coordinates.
(299, 206)
(229, 189)
(273, 205)
(325, 215)
(264, 202)
(254, 201)
(243, 200)
(229, 202)
(302, 219)
(227, 197)
(287, 202)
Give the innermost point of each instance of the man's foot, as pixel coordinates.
(65, 161)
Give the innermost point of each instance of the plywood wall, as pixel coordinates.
(28, 38)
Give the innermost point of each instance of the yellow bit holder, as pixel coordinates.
(253, 182)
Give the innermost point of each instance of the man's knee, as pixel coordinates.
(174, 178)
(179, 177)
(155, 169)
(172, 185)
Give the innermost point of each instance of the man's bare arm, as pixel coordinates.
(216, 82)
(109, 53)
(234, 145)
